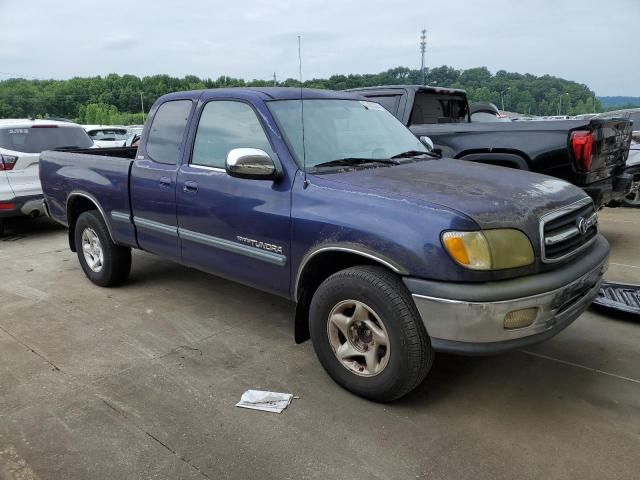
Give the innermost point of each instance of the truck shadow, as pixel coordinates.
(22, 227)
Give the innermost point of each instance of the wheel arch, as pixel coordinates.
(78, 203)
(503, 158)
(320, 263)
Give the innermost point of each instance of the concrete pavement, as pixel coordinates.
(140, 382)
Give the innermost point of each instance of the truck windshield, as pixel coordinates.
(37, 139)
(340, 129)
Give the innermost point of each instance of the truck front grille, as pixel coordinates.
(566, 231)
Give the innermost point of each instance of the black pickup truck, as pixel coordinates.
(588, 153)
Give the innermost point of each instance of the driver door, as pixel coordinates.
(234, 227)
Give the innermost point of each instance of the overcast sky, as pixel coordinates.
(591, 41)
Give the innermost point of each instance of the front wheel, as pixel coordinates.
(368, 335)
(104, 263)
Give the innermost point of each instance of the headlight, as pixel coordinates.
(489, 249)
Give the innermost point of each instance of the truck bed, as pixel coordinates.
(99, 175)
(544, 145)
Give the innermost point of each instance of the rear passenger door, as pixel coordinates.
(153, 179)
(234, 227)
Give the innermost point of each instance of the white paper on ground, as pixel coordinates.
(265, 401)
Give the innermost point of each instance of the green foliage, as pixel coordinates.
(619, 103)
(116, 99)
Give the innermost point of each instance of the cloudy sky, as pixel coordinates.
(592, 41)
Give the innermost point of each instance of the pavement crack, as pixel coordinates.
(584, 367)
(155, 439)
(32, 350)
(193, 349)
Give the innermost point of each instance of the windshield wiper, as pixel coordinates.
(415, 153)
(350, 161)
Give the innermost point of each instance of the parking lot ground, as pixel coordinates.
(140, 382)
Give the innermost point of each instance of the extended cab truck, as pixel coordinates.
(389, 252)
(588, 153)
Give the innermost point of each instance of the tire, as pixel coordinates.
(402, 365)
(633, 198)
(114, 261)
(1, 227)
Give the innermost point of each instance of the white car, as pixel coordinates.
(133, 134)
(105, 136)
(21, 141)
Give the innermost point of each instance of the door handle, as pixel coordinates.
(190, 187)
(165, 182)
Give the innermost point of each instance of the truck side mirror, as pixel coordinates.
(250, 163)
(427, 142)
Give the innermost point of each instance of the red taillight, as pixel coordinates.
(7, 206)
(582, 146)
(7, 162)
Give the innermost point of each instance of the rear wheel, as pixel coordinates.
(104, 263)
(368, 335)
(633, 197)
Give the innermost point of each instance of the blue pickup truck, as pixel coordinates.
(389, 252)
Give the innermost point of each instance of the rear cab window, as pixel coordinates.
(167, 131)
(38, 138)
(438, 108)
(108, 134)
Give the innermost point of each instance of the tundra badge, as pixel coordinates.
(258, 244)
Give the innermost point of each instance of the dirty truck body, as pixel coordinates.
(389, 253)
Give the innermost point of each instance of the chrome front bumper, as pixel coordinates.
(473, 327)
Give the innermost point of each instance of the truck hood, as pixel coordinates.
(494, 197)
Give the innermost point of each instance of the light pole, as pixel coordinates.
(560, 102)
(502, 96)
(142, 106)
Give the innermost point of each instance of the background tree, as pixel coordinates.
(115, 99)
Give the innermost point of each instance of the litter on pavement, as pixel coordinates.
(265, 401)
(619, 297)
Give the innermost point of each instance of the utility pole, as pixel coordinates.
(142, 106)
(502, 96)
(560, 102)
(274, 79)
(423, 50)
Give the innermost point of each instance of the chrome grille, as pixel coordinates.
(566, 231)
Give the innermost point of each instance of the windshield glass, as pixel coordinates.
(38, 139)
(336, 129)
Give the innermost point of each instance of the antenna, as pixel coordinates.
(304, 153)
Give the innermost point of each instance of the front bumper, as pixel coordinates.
(471, 320)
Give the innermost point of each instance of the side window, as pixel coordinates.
(225, 125)
(167, 130)
(390, 102)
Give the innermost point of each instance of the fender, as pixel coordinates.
(93, 200)
(347, 248)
